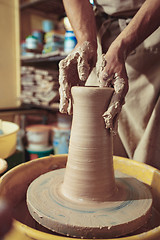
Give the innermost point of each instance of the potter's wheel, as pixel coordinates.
(129, 211)
(86, 200)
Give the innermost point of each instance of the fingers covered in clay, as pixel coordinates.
(74, 71)
(115, 106)
(108, 78)
(63, 88)
(83, 67)
(102, 74)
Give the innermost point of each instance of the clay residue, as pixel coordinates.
(74, 71)
(115, 106)
(114, 109)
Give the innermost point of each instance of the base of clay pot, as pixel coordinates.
(127, 211)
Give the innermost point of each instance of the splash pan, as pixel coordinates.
(14, 185)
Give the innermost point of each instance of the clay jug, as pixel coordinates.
(89, 174)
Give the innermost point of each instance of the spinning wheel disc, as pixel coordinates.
(127, 211)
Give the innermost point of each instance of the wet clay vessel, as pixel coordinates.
(87, 198)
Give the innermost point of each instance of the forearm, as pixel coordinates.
(144, 23)
(81, 16)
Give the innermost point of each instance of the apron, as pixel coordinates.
(139, 122)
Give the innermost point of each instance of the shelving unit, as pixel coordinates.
(48, 9)
(31, 113)
(52, 9)
(43, 58)
(47, 6)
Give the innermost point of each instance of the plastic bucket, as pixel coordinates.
(38, 134)
(39, 152)
(61, 138)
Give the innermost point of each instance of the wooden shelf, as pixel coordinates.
(47, 6)
(54, 107)
(31, 107)
(42, 58)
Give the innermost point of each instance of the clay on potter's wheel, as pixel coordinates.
(87, 199)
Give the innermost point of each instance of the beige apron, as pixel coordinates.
(139, 122)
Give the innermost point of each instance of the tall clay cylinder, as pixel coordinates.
(89, 174)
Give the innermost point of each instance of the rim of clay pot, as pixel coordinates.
(94, 87)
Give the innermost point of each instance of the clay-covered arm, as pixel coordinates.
(144, 23)
(81, 16)
(76, 67)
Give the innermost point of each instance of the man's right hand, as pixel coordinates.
(74, 71)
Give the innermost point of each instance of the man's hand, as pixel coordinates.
(113, 74)
(74, 71)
